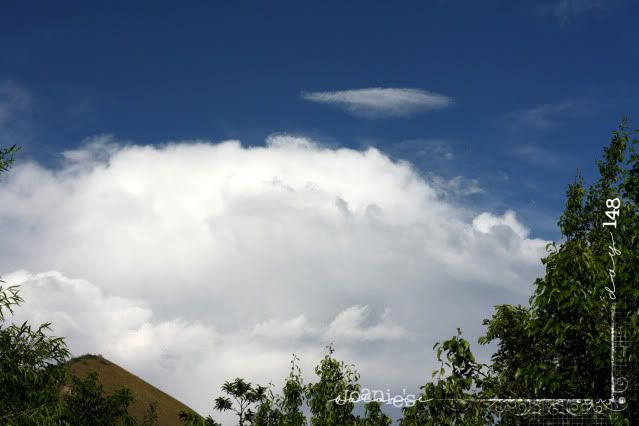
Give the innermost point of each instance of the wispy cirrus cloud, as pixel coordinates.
(544, 115)
(381, 102)
(455, 187)
(15, 103)
(432, 149)
(567, 10)
(540, 156)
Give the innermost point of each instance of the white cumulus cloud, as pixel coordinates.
(486, 221)
(193, 263)
(351, 324)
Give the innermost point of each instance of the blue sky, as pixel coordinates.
(537, 86)
(494, 105)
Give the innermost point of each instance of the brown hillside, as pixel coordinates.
(113, 377)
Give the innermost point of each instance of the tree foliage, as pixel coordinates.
(559, 346)
(374, 416)
(6, 157)
(448, 401)
(284, 409)
(336, 379)
(241, 398)
(86, 404)
(32, 366)
(329, 400)
(189, 418)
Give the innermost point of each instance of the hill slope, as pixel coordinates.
(113, 377)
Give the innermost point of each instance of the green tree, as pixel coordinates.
(450, 400)
(293, 397)
(87, 404)
(374, 416)
(32, 367)
(336, 381)
(245, 397)
(267, 413)
(189, 418)
(6, 157)
(328, 399)
(285, 409)
(559, 346)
